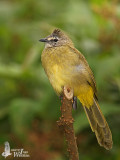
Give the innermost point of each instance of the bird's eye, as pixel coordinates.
(55, 40)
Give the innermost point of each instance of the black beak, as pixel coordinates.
(43, 40)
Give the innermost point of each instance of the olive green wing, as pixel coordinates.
(90, 79)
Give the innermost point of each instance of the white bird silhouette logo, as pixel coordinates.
(7, 150)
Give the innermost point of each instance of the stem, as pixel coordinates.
(66, 123)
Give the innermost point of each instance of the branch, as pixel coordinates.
(66, 122)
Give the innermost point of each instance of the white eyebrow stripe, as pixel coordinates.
(50, 38)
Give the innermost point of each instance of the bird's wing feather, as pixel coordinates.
(90, 80)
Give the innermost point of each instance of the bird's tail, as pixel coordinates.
(99, 125)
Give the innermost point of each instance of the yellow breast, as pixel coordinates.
(53, 63)
(56, 78)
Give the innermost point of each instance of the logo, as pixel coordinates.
(6, 150)
(20, 153)
(16, 152)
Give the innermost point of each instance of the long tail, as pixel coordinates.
(99, 125)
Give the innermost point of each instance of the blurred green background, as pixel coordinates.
(29, 108)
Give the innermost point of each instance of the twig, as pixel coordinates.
(66, 122)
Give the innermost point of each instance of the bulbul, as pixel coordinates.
(66, 66)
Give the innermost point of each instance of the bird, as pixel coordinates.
(66, 66)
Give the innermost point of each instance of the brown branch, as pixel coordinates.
(66, 123)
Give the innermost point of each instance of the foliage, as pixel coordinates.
(27, 99)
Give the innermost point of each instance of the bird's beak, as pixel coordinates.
(43, 40)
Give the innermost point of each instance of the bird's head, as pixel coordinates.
(56, 39)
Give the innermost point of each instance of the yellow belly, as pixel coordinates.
(84, 92)
(56, 78)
